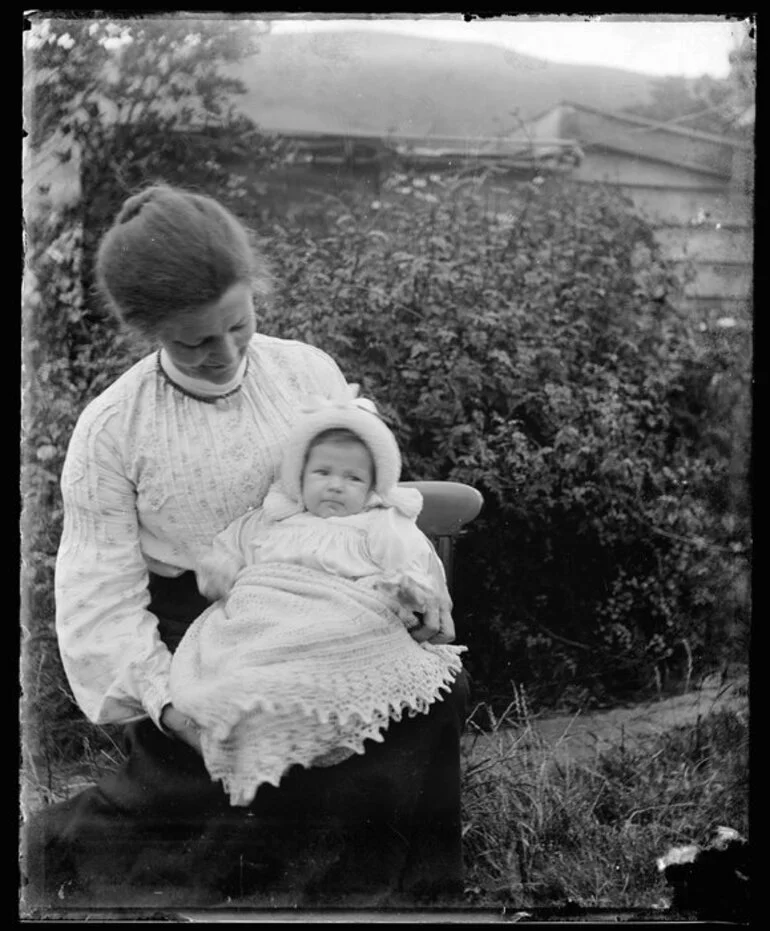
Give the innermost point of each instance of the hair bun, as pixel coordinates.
(133, 206)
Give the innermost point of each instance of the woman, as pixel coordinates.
(181, 444)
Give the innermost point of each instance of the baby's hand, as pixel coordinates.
(215, 576)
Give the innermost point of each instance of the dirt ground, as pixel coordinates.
(582, 737)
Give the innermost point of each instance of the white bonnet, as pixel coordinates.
(359, 415)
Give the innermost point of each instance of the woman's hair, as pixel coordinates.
(339, 435)
(169, 251)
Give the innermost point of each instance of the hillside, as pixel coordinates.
(349, 82)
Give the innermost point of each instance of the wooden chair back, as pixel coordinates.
(447, 508)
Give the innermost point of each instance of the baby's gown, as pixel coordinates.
(305, 659)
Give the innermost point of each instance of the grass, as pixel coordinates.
(63, 763)
(542, 829)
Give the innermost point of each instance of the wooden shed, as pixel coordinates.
(695, 188)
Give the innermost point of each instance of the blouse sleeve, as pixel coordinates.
(326, 374)
(116, 663)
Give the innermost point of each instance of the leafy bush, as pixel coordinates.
(535, 353)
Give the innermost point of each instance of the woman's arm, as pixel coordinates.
(323, 374)
(437, 625)
(116, 663)
(414, 575)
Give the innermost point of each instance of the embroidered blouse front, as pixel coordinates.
(151, 476)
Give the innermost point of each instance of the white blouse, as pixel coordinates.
(151, 476)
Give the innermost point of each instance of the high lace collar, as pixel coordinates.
(198, 387)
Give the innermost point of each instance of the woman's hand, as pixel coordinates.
(436, 626)
(411, 594)
(181, 726)
(427, 617)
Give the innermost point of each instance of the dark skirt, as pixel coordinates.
(378, 829)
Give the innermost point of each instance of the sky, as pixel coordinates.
(691, 45)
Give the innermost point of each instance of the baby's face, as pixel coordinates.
(337, 479)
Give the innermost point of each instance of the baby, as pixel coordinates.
(306, 653)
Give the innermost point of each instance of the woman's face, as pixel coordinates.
(210, 342)
(337, 478)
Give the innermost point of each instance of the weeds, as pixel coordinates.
(50, 774)
(542, 828)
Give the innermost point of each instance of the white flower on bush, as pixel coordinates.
(46, 452)
(115, 43)
(39, 35)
